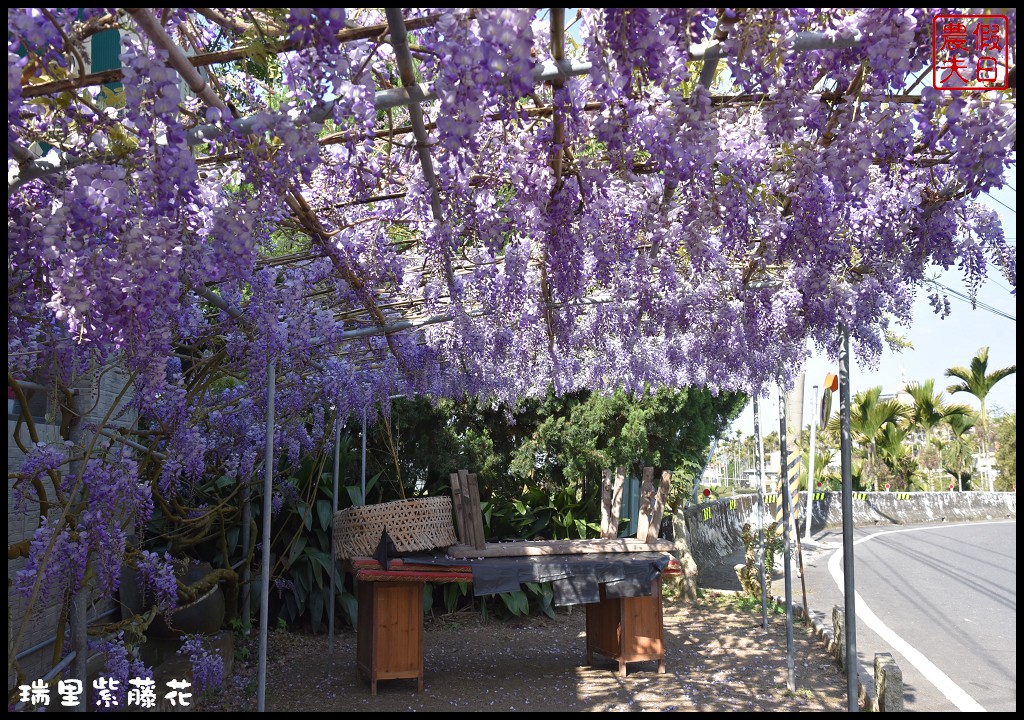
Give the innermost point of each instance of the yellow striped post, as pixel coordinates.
(793, 475)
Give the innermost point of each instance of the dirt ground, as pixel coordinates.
(718, 658)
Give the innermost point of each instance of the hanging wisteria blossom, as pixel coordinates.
(453, 202)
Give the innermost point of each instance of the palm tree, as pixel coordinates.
(958, 453)
(869, 414)
(977, 381)
(897, 456)
(930, 409)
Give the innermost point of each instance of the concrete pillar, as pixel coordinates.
(839, 646)
(888, 684)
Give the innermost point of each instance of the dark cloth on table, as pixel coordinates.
(575, 579)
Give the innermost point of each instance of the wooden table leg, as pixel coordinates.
(628, 629)
(389, 638)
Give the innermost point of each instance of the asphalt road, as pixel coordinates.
(941, 598)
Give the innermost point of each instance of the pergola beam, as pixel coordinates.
(412, 95)
(408, 74)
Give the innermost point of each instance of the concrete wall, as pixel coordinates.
(713, 529)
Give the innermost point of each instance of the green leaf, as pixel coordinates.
(350, 606)
(524, 602)
(304, 576)
(323, 560)
(324, 512)
(233, 535)
(224, 482)
(516, 602)
(546, 597)
(428, 597)
(297, 547)
(452, 593)
(582, 526)
(353, 494)
(316, 610)
(291, 607)
(309, 558)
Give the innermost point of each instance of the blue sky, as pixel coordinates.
(937, 343)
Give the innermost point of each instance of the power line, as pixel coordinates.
(982, 306)
(1001, 286)
(1001, 203)
(977, 304)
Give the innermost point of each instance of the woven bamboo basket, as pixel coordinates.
(413, 524)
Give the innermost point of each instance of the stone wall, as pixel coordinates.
(713, 529)
(706, 534)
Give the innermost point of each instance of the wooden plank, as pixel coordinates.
(660, 498)
(467, 513)
(476, 515)
(646, 490)
(457, 502)
(525, 548)
(607, 531)
(467, 510)
(616, 508)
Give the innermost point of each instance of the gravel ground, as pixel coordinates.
(718, 658)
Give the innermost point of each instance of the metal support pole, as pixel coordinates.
(362, 475)
(759, 465)
(700, 478)
(407, 72)
(246, 609)
(846, 465)
(78, 620)
(268, 487)
(787, 511)
(334, 510)
(810, 468)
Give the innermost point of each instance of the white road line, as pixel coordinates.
(942, 682)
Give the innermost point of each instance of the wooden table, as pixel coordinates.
(389, 639)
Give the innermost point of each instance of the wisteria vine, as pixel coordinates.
(637, 223)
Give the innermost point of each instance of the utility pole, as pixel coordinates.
(845, 454)
(810, 468)
(787, 514)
